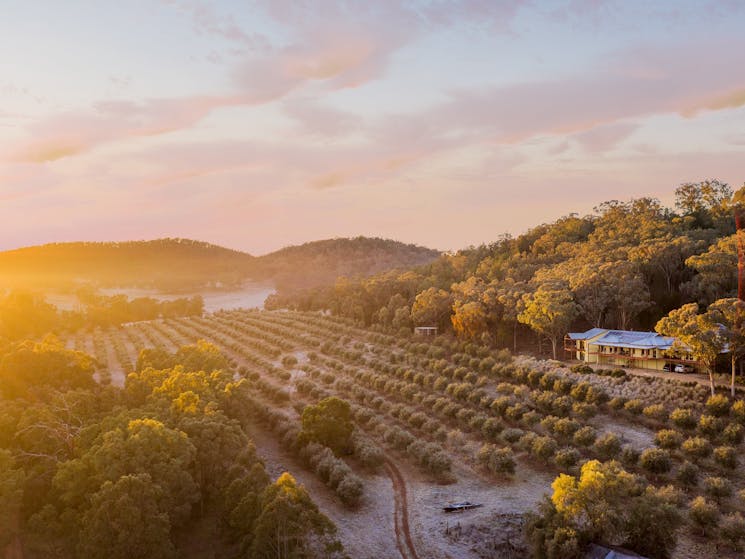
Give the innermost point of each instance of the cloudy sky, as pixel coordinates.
(446, 123)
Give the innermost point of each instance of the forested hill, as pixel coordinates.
(624, 266)
(321, 262)
(170, 264)
(182, 264)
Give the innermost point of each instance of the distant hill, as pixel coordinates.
(321, 262)
(169, 264)
(183, 264)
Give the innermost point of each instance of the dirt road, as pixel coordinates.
(401, 513)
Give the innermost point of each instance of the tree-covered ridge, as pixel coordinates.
(169, 264)
(182, 264)
(88, 470)
(321, 262)
(624, 266)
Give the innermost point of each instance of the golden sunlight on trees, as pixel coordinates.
(698, 333)
(605, 504)
(550, 311)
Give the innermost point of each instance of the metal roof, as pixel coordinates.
(586, 335)
(625, 338)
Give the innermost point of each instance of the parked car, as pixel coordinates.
(669, 367)
(682, 368)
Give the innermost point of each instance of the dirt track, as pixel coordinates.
(401, 514)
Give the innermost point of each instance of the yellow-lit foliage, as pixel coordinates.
(594, 501)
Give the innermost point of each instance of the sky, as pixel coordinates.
(446, 123)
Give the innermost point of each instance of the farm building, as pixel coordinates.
(624, 348)
(425, 330)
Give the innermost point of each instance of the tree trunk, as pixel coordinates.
(711, 379)
(514, 338)
(553, 346)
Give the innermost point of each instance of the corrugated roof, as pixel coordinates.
(625, 338)
(586, 335)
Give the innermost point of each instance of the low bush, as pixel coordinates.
(683, 418)
(607, 446)
(687, 475)
(617, 403)
(710, 425)
(668, 438)
(634, 407)
(585, 436)
(498, 461)
(629, 456)
(726, 457)
(738, 411)
(697, 447)
(512, 435)
(733, 433)
(566, 458)
(656, 461)
(717, 487)
(656, 412)
(703, 514)
(718, 405)
(543, 448)
(732, 529)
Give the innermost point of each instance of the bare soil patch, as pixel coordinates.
(367, 532)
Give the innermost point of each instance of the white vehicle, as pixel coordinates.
(681, 368)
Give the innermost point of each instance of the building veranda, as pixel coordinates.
(624, 348)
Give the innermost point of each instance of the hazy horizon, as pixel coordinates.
(263, 125)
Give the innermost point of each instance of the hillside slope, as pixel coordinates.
(321, 262)
(183, 264)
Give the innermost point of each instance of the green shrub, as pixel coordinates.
(629, 456)
(698, 447)
(732, 529)
(526, 441)
(683, 418)
(718, 405)
(656, 412)
(733, 433)
(583, 410)
(549, 422)
(566, 457)
(491, 428)
(608, 446)
(543, 448)
(726, 456)
(738, 410)
(634, 406)
(530, 418)
(710, 425)
(512, 435)
(703, 514)
(497, 460)
(564, 428)
(668, 438)
(687, 474)
(617, 403)
(585, 436)
(717, 487)
(656, 461)
(515, 412)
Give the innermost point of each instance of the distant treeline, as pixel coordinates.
(174, 265)
(25, 315)
(625, 266)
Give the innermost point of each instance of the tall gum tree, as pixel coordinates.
(700, 334)
(550, 311)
